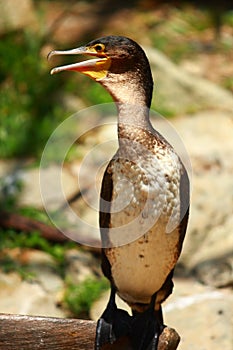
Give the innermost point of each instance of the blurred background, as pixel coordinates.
(190, 47)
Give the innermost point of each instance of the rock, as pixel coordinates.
(11, 19)
(43, 268)
(217, 272)
(213, 262)
(38, 294)
(201, 315)
(208, 138)
(43, 289)
(40, 265)
(27, 298)
(51, 185)
(46, 186)
(178, 91)
(80, 266)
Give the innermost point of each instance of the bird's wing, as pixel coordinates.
(105, 215)
(105, 199)
(184, 204)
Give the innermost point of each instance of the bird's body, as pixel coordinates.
(144, 197)
(143, 184)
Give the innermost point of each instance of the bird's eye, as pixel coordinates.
(99, 47)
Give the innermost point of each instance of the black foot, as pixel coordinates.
(146, 328)
(113, 324)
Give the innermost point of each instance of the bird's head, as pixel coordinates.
(118, 63)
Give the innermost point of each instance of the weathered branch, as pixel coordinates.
(22, 223)
(30, 332)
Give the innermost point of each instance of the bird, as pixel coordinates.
(144, 197)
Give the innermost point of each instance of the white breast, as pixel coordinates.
(145, 214)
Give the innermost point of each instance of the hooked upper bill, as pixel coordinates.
(96, 68)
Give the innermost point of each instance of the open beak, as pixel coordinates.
(96, 68)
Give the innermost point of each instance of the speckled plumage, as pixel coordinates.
(145, 214)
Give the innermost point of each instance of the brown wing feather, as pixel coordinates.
(184, 205)
(105, 199)
(105, 216)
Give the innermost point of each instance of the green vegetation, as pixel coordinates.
(34, 213)
(8, 265)
(10, 239)
(228, 83)
(228, 18)
(189, 31)
(90, 92)
(29, 107)
(79, 298)
(27, 113)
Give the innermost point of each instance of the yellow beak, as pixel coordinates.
(96, 68)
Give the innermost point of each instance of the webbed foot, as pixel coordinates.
(146, 328)
(113, 324)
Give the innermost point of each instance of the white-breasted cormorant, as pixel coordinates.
(144, 201)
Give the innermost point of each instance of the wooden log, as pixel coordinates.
(28, 333)
(47, 333)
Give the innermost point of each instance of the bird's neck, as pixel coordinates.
(131, 90)
(135, 115)
(128, 90)
(132, 100)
